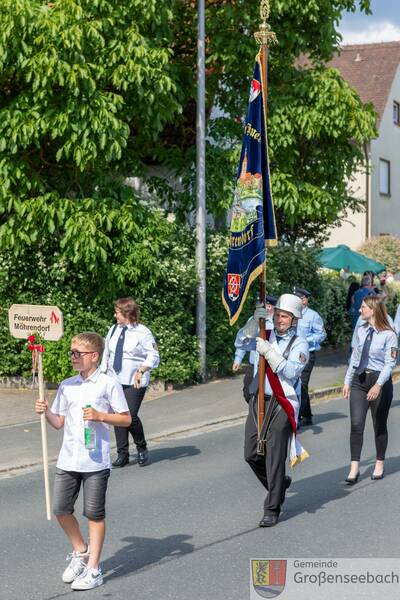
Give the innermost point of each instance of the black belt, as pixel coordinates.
(368, 372)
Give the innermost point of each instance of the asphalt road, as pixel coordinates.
(186, 526)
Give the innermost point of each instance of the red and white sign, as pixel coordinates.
(234, 282)
(28, 319)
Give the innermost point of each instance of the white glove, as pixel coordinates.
(273, 357)
(261, 313)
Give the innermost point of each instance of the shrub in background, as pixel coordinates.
(167, 301)
(385, 249)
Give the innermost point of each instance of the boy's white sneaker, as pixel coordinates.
(89, 579)
(76, 566)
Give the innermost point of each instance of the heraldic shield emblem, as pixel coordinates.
(234, 281)
(268, 577)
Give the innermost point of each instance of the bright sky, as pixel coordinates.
(382, 26)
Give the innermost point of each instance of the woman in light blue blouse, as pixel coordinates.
(368, 383)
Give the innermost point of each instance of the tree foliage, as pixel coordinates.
(93, 91)
(384, 249)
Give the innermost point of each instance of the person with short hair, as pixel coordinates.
(248, 332)
(367, 286)
(130, 354)
(311, 327)
(368, 383)
(95, 398)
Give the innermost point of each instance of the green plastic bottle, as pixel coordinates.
(90, 433)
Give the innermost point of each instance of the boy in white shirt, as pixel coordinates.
(98, 398)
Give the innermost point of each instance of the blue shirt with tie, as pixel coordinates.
(311, 327)
(382, 353)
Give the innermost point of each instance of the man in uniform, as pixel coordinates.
(286, 355)
(310, 327)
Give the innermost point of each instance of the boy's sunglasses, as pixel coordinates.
(78, 353)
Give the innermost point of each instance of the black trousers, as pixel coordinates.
(270, 468)
(134, 397)
(359, 406)
(305, 407)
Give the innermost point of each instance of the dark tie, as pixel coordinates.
(365, 352)
(118, 351)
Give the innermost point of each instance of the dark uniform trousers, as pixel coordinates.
(134, 397)
(359, 406)
(305, 407)
(270, 468)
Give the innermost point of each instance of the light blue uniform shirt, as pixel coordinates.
(311, 327)
(397, 320)
(360, 322)
(382, 353)
(289, 369)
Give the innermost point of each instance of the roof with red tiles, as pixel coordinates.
(370, 69)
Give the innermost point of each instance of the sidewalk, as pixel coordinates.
(173, 412)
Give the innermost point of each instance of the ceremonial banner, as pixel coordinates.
(253, 220)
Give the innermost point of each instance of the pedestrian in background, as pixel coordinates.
(368, 383)
(130, 354)
(367, 286)
(310, 327)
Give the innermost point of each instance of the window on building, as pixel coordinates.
(396, 112)
(384, 177)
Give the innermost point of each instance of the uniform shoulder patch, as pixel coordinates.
(302, 358)
(393, 352)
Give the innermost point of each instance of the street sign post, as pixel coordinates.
(25, 321)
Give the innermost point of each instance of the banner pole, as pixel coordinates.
(44, 438)
(263, 36)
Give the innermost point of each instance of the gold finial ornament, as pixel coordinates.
(265, 36)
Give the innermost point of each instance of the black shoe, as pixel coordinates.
(143, 458)
(306, 421)
(377, 477)
(352, 480)
(269, 520)
(286, 486)
(121, 461)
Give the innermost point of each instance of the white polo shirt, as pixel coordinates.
(103, 393)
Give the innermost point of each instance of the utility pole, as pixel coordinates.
(201, 192)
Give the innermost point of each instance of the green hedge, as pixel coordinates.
(168, 304)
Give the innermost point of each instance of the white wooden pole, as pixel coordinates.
(44, 439)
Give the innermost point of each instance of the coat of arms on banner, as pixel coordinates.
(234, 281)
(268, 577)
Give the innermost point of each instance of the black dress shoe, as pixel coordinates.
(121, 461)
(306, 421)
(286, 486)
(352, 480)
(269, 520)
(143, 458)
(377, 477)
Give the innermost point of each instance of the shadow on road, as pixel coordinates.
(160, 454)
(319, 420)
(141, 552)
(314, 493)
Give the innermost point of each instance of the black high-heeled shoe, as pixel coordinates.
(377, 477)
(352, 480)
